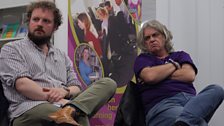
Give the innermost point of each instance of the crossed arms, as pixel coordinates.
(155, 74)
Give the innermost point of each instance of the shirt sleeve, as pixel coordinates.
(184, 57)
(72, 79)
(141, 62)
(12, 65)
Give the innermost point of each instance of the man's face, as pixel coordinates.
(154, 41)
(41, 26)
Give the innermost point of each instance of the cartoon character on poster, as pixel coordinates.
(102, 43)
(135, 9)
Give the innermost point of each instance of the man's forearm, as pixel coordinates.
(185, 74)
(30, 89)
(155, 74)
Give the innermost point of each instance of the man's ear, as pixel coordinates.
(55, 28)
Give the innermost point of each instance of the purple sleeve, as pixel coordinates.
(182, 57)
(141, 62)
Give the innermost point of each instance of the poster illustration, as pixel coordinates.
(102, 43)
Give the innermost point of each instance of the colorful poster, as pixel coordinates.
(134, 7)
(102, 43)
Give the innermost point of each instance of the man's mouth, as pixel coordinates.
(39, 30)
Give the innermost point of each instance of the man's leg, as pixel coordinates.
(165, 112)
(94, 97)
(199, 109)
(37, 116)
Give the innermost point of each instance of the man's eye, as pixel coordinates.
(155, 34)
(46, 21)
(35, 19)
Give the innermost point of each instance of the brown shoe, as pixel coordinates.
(64, 115)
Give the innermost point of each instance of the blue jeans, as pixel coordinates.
(193, 110)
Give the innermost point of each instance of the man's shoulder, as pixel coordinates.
(142, 55)
(15, 44)
(18, 42)
(180, 53)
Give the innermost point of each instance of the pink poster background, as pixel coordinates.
(107, 114)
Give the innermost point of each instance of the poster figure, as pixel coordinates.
(134, 7)
(88, 64)
(110, 30)
(106, 27)
(84, 23)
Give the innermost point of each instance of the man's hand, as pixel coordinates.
(186, 74)
(54, 94)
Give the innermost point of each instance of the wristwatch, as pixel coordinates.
(176, 64)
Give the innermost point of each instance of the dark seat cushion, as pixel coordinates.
(130, 110)
(3, 107)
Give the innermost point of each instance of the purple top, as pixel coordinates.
(152, 94)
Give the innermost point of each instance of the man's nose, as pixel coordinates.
(40, 22)
(152, 39)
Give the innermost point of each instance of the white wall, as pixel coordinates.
(61, 35)
(198, 28)
(148, 9)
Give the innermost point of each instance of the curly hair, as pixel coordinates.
(161, 29)
(45, 5)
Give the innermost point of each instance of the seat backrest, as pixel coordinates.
(3, 107)
(130, 110)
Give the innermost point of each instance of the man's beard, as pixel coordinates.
(39, 40)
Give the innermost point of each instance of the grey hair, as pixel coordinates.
(161, 29)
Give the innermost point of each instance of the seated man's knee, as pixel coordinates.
(109, 83)
(218, 91)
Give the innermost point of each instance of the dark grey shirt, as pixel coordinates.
(23, 58)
